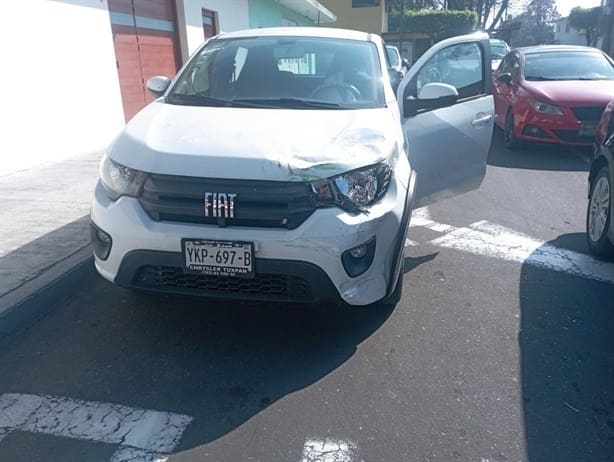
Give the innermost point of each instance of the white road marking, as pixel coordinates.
(143, 435)
(422, 217)
(484, 238)
(127, 454)
(329, 450)
(410, 243)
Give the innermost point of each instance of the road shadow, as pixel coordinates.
(410, 263)
(30, 260)
(537, 156)
(219, 362)
(567, 363)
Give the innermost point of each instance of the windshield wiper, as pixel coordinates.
(197, 100)
(295, 103)
(540, 78)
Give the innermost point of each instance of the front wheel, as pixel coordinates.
(598, 217)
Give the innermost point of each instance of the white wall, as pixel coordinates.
(60, 89)
(232, 15)
(573, 37)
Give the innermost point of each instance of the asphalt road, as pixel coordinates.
(501, 350)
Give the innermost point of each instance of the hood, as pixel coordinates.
(572, 92)
(259, 144)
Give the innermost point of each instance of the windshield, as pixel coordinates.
(393, 56)
(282, 72)
(498, 49)
(568, 65)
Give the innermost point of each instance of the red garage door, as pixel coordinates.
(144, 35)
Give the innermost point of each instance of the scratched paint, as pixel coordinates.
(329, 450)
(142, 435)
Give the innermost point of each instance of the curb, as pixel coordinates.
(21, 307)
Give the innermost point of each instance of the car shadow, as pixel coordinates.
(537, 156)
(219, 362)
(567, 362)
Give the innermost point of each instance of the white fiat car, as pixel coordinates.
(280, 165)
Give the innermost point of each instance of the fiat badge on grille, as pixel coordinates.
(220, 205)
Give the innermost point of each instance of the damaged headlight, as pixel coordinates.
(355, 190)
(119, 180)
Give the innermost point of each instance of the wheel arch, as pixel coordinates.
(602, 160)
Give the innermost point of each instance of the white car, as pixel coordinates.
(278, 165)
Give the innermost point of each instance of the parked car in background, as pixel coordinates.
(279, 165)
(552, 94)
(498, 49)
(599, 228)
(395, 61)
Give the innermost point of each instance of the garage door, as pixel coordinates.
(144, 36)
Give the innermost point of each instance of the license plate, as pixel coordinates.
(218, 258)
(588, 128)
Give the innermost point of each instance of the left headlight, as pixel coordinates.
(119, 180)
(545, 108)
(355, 190)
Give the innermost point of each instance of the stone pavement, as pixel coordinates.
(44, 216)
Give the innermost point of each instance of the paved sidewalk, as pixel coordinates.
(44, 223)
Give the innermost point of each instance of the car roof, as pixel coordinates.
(324, 32)
(554, 48)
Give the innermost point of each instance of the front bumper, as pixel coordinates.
(564, 130)
(147, 253)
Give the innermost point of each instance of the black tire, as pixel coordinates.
(509, 136)
(599, 242)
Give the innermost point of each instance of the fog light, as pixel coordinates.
(358, 252)
(358, 259)
(103, 237)
(535, 132)
(101, 242)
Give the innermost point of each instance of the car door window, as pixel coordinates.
(506, 65)
(515, 68)
(459, 65)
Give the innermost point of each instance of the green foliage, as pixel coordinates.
(533, 27)
(587, 20)
(436, 24)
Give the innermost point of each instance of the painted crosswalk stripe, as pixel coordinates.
(329, 450)
(491, 240)
(142, 435)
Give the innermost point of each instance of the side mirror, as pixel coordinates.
(395, 78)
(157, 85)
(506, 78)
(432, 96)
(405, 63)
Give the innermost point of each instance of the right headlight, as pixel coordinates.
(119, 180)
(355, 190)
(545, 108)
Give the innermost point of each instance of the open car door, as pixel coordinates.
(447, 112)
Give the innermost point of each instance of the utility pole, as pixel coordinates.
(401, 19)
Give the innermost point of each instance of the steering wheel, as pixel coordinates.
(348, 93)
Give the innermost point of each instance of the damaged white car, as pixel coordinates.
(278, 165)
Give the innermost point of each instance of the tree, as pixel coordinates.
(587, 20)
(436, 24)
(533, 27)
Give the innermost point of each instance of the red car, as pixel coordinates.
(552, 94)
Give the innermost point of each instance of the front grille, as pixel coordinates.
(262, 287)
(268, 204)
(588, 113)
(573, 136)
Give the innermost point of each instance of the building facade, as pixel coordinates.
(79, 68)
(564, 34)
(364, 15)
